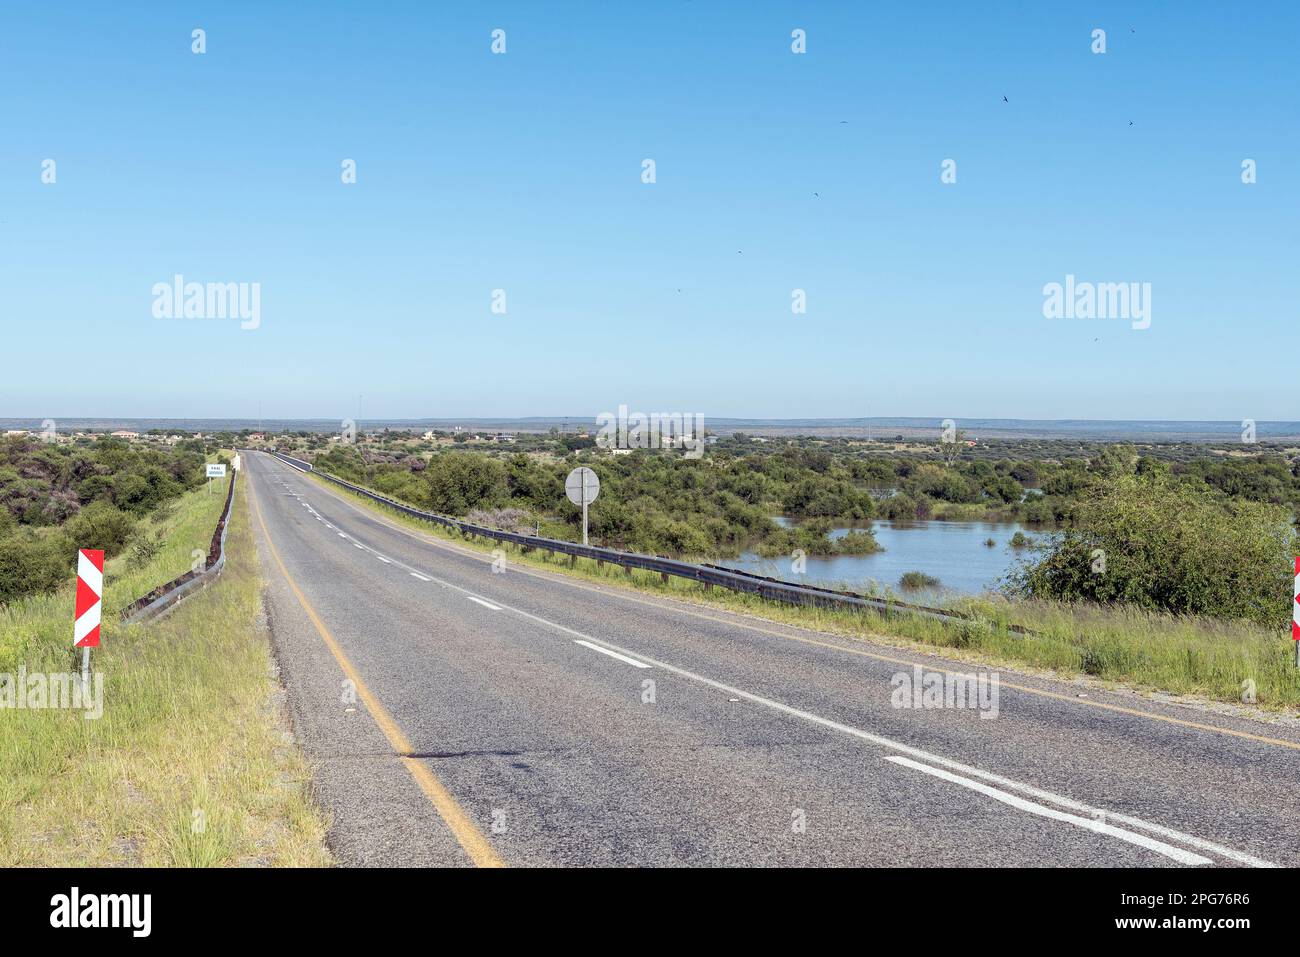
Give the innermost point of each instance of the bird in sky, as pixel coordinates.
(1005, 100)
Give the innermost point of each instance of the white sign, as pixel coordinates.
(582, 486)
(216, 471)
(235, 463)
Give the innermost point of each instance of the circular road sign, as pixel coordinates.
(582, 486)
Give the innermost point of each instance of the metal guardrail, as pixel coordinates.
(165, 596)
(773, 589)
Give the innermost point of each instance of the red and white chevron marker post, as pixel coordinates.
(1295, 613)
(90, 595)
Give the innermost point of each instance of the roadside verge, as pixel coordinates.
(191, 762)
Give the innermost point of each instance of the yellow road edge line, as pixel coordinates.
(470, 838)
(615, 591)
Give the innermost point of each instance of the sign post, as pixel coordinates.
(215, 471)
(90, 593)
(582, 486)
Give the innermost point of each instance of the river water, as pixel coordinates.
(953, 552)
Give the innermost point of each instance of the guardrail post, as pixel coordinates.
(664, 576)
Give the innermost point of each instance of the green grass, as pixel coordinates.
(191, 763)
(37, 631)
(1146, 651)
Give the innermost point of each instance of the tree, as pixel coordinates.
(101, 525)
(460, 481)
(952, 446)
(1169, 546)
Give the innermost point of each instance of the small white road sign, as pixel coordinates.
(582, 486)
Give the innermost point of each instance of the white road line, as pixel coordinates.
(341, 535)
(879, 740)
(362, 547)
(485, 604)
(892, 745)
(1099, 827)
(383, 559)
(613, 654)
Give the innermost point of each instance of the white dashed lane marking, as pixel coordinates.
(613, 654)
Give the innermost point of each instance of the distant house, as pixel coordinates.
(124, 434)
(502, 437)
(16, 432)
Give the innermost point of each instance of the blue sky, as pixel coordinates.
(522, 172)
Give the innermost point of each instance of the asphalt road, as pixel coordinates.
(456, 715)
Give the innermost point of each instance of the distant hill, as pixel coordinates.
(881, 427)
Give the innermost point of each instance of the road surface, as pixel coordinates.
(459, 716)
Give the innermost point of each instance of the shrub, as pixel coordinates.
(858, 542)
(145, 549)
(459, 481)
(101, 525)
(1171, 546)
(32, 562)
(911, 581)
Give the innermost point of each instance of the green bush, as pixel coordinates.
(858, 542)
(459, 481)
(101, 525)
(32, 562)
(1172, 546)
(915, 580)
